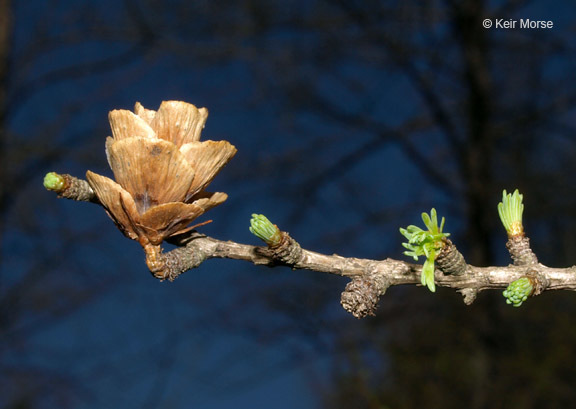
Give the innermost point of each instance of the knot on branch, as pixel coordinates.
(360, 297)
(288, 251)
(469, 295)
(520, 251)
(538, 280)
(450, 260)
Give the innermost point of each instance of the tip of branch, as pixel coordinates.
(263, 228)
(55, 182)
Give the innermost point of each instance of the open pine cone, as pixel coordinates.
(161, 170)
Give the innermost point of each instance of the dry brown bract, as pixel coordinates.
(161, 169)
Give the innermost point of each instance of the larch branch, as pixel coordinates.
(369, 278)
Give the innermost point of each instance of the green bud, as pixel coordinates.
(518, 291)
(262, 228)
(54, 181)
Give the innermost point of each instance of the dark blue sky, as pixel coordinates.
(90, 327)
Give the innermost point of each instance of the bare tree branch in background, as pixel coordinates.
(38, 294)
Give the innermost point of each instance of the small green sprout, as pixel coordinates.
(425, 243)
(262, 228)
(54, 181)
(510, 210)
(518, 291)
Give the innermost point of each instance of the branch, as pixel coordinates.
(70, 187)
(369, 278)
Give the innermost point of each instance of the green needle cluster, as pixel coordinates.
(426, 243)
(510, 210)
(518, 291)
(262, 228)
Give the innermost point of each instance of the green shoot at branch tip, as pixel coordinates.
(262, 228)
(510, 210)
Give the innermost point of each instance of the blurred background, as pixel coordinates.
(350, 118)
